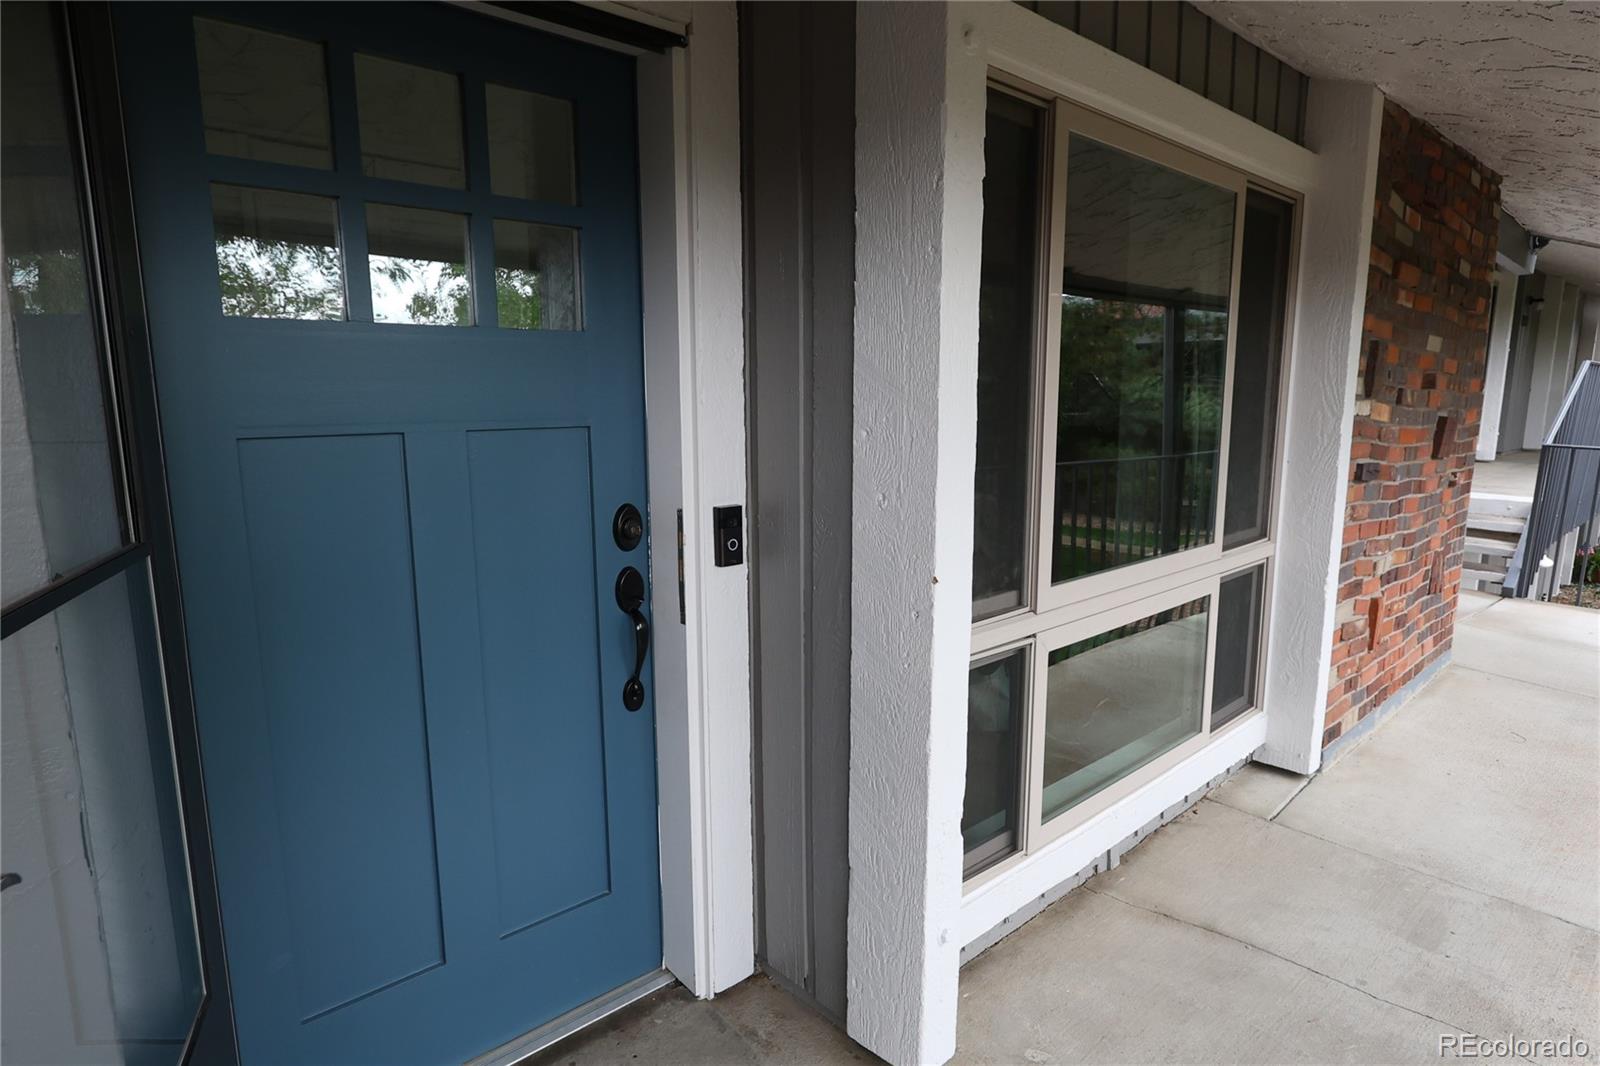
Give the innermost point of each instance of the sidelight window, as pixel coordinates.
(1132, 317)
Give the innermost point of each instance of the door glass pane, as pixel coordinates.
(277, 253)
(1121, 698)
(418, 264)
(1233, 688)
(1006, 321)
(410, 123)
(263, 95)
(101, 960)
(60, 492)
(1252, 435)
(530, 146)
(1144, 334)
(536, 276)
(996, 691)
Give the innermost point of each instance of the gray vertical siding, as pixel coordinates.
(798, 76)
(1183, 44)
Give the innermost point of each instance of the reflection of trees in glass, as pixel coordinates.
(1113, 386)
(49, 283)
(1205, 356)
(279, 279)
(421, 291)
(1139, 429)
(519, 297)
(1111, 381)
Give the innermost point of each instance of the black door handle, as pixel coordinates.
(630, 597)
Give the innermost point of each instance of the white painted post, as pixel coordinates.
(918, 231)
(1499, 357)
(1343, 124)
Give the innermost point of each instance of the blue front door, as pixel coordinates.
(391, 263)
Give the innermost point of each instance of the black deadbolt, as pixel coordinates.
(627, 527)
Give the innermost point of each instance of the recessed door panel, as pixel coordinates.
(331, 566)
(532, 530)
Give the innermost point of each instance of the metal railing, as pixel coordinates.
(1110, 512)
(1566, 496)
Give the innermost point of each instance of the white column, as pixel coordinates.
(919, 130)
(1494, 374)
(1343, 124)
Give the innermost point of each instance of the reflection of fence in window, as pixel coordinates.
(1111, 512)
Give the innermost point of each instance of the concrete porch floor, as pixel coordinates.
(1510, 474)
(1442, 876)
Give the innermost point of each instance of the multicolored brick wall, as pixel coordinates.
(1435, 225)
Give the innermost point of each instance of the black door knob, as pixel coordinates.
(630, 597)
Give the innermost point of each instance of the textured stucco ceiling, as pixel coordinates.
(1515, 83)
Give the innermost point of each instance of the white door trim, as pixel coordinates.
(693, 274)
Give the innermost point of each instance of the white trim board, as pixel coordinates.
(692, 265)
(1501, 326)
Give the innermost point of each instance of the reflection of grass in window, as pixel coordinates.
(50, 283)
(519, 298)
(420, 291)
(279, 279)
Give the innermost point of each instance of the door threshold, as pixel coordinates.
(579, 1017)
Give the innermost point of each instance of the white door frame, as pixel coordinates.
(692, 274)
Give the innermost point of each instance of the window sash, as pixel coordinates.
(1041, 832)
(1053, 616)
(1075, 119)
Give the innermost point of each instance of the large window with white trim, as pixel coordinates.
(1132, 320)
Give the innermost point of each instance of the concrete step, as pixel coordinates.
(1496, 506)
(1490, 546)
(1495, 524)
(1482, 577)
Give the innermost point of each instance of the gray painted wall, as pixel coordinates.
(798, 75)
